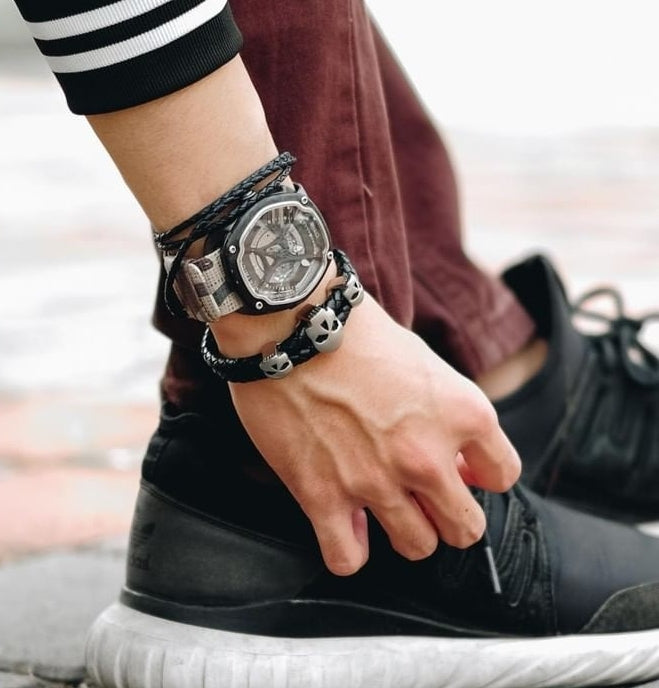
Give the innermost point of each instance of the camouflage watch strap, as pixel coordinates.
(202, 287)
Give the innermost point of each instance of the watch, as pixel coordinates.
(271, 258)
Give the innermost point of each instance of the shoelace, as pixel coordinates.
(458, 563)
(620, 343)
(491, 564)
(529, 516)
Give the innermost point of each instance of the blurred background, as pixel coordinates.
(551, 113)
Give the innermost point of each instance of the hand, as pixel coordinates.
(382, 423)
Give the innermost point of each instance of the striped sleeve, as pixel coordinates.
(111, 55)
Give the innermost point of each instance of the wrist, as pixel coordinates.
(238, 335)
(196, 249)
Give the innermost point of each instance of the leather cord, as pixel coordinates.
(298, 347)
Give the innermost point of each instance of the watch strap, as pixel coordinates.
(299, 347)
(217, 216)
(202, 287)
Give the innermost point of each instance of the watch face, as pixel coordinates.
(282, 251)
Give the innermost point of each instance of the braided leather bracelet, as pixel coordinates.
(320, 330)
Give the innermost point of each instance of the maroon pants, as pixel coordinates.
(374, 163)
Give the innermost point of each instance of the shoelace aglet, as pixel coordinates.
(489, 555)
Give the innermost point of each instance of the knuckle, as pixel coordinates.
(462, 538)
(415, 549)
(372, 490)
(424, 549)
(341, 565)
(483, 417)
(422, 470)
(317, 500)
(506, 472)
(511, 472)
(466, 533)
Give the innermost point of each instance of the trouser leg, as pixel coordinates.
(376, 165)
(467, 315)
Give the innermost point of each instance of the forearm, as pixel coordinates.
(179, 153)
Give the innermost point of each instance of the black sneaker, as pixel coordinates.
(587, 426)
(226, 587)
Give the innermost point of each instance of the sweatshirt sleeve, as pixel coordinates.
(108, 56)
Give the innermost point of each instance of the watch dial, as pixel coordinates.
(283, 253)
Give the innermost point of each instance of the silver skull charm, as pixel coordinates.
(324, 330)
(276, 365)
(353, 291)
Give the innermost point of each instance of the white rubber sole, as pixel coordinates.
(128, 649)
(649, 528)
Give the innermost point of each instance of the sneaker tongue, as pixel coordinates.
(538, 287)
(530, 415)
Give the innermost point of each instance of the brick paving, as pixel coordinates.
(79, 361)
(52, 428)
(53, 508)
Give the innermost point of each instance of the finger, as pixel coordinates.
(493, 462)
(343, 538)
(449, 504)
(465, 472)
(410, 532)
(360, 528)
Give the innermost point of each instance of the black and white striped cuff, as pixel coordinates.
(109, 56)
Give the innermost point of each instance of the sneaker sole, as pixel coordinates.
(649, 528)
(128, 649)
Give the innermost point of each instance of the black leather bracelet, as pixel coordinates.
(320, 331)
